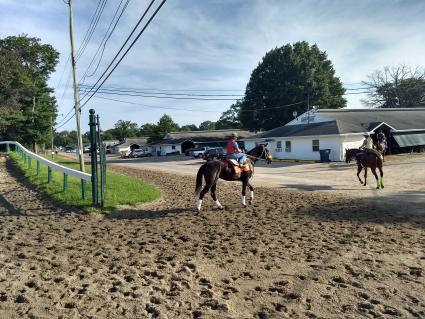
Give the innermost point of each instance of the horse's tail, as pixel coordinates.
(199, 180)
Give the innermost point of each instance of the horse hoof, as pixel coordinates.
(244, 206)
(377, 187)
(220, 208)
(382, 186)
(251, 202)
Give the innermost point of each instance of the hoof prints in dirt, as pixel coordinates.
(284, 257)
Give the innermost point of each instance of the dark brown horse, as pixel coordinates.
(213, 170)
(368, 160)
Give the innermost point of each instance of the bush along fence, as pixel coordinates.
(96, 146)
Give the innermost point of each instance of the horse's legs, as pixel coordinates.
(365, 175)
(373, 169)
(251, 199)
(381, 173)
(214, 196)
(208, 184)
(244, 184)
(359, 169)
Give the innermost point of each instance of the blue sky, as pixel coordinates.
(214, 45)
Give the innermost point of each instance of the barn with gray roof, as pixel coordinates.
(338, 129)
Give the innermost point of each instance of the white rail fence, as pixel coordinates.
(28, 156)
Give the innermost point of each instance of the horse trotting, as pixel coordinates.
(211, 171)
(369, 160)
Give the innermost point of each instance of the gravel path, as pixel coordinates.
(290, 255)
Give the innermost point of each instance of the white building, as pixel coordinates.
(129, 144)
(340, 129)
(180, 142)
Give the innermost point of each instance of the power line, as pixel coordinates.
(128, 49)
(199, 111)
(125, 53)
(93, 24)
(105, 40)
(128, 90)
(122, 47)
(172, 90)
(163, 97)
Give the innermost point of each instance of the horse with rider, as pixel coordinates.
(237, 166)
(368, 155)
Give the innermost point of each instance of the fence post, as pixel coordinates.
(65, 182)
(38, 168)
(83, 189)
(93, 153)
(7, 148)
(102, 162)
(49, 174)
(29, 163)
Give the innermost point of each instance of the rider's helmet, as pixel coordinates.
(234, 134)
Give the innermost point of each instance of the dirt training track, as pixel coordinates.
(290, 255)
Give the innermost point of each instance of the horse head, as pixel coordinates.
(350, 154)
(261, 152)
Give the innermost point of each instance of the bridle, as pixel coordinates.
(259, 157)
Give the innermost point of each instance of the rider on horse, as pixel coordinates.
(367, 147)
(381, 138)
(233, 151)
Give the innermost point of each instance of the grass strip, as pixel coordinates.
(120, 189)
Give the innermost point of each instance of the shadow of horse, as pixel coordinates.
(147, 214)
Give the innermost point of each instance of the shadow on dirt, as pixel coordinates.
(406, 207)
(147, 214)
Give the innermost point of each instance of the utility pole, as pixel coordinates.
(76, 94)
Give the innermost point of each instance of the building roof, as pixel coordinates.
(355, 120)
(321, 128)
(200, 136)
(349, 121)
(213, 134)
(131, 141)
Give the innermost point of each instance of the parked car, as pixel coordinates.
(139, 153)
(199, 153)
(212, 153)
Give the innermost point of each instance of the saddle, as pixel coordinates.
(237, 168)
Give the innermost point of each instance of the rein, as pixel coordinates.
(258, 158)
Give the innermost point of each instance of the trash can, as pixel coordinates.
(324, 155)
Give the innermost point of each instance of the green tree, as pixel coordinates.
(166, 125)
(207, 126)
(124, 129)
(149, 129)
(230, 118)
(189, 127)
(399, 86)
(287, 75)
(28, 108)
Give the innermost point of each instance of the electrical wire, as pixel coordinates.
(106, 37)
(164, 97)
(91, 29)
(128, 90)
(122, 47)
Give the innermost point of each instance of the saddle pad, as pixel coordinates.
(234, 162)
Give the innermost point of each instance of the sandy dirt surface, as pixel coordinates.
(292, 254)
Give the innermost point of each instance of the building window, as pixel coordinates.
(316, 145)
(173, 147)
(279, 144)
(287, 146)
